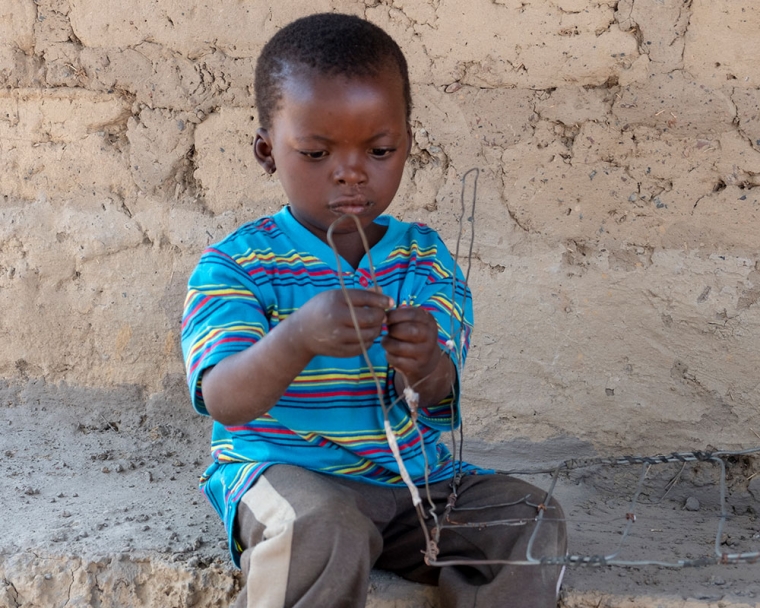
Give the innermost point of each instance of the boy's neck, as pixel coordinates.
(350, 245)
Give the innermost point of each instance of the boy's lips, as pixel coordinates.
(350, 205)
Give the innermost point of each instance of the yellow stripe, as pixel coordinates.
(269, 256)
(213, 334)
(402, 431)
(321, 379)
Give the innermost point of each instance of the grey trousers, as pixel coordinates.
(310, 541)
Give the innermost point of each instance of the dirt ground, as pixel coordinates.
(101, 509)
(616, 274)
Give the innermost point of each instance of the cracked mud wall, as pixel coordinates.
(616, 266)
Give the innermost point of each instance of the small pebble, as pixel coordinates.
(692, 504)
(105, 470)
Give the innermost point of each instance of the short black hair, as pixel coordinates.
(331, 44)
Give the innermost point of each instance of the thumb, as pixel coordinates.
(373, 297)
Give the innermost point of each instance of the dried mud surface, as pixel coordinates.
(615, 268)
(101, 509)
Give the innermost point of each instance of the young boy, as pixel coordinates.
(303, 474)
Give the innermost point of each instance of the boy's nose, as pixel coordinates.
(350, 172)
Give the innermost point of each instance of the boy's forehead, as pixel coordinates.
(307, 88)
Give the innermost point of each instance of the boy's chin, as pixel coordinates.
(350, 222)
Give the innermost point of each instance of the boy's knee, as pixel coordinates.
(553, 510)
(338, 523)
(553, 535)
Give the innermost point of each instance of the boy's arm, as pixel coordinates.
(246, 385)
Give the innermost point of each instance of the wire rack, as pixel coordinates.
(446, 519)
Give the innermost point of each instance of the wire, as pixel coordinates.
(447, 520)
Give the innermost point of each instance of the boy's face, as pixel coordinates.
(339, 146)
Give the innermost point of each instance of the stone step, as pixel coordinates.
(58, 580)
(107, 514)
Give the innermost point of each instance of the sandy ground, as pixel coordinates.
(616, 271)
(100, 508)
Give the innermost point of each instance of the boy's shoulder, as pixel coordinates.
(256, 233)
(277, 234)
(424, 231)
(421, 233)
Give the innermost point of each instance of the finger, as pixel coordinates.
(413, 332)
(348, 337)
(409, 367)
(369, 325)
(366, 317)
(410, 313)
(405, 349)
(372, 299)
(352, 346)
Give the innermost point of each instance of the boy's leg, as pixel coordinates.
(310, 540)
(519, 586)
(490, 585)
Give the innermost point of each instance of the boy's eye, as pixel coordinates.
(314, 155)
(380, 152)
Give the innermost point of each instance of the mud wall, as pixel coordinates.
(616, 265)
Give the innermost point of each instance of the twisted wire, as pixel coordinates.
(446, 520)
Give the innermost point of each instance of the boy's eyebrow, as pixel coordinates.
(306, 138)
(325, 139)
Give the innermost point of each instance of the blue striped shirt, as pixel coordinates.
(329, 420)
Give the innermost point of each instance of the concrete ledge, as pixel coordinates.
(29, 580)
(100, 509)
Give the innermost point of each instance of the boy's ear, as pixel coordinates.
(262, 150)
(408, 139)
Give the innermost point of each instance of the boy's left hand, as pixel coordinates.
(412, 342)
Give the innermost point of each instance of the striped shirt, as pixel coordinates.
(329, 419)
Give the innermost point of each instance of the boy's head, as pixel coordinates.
(334, 103)
(327, 44)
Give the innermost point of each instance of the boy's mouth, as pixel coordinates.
(350, 205)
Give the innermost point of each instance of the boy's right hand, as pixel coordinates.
(325, 325)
